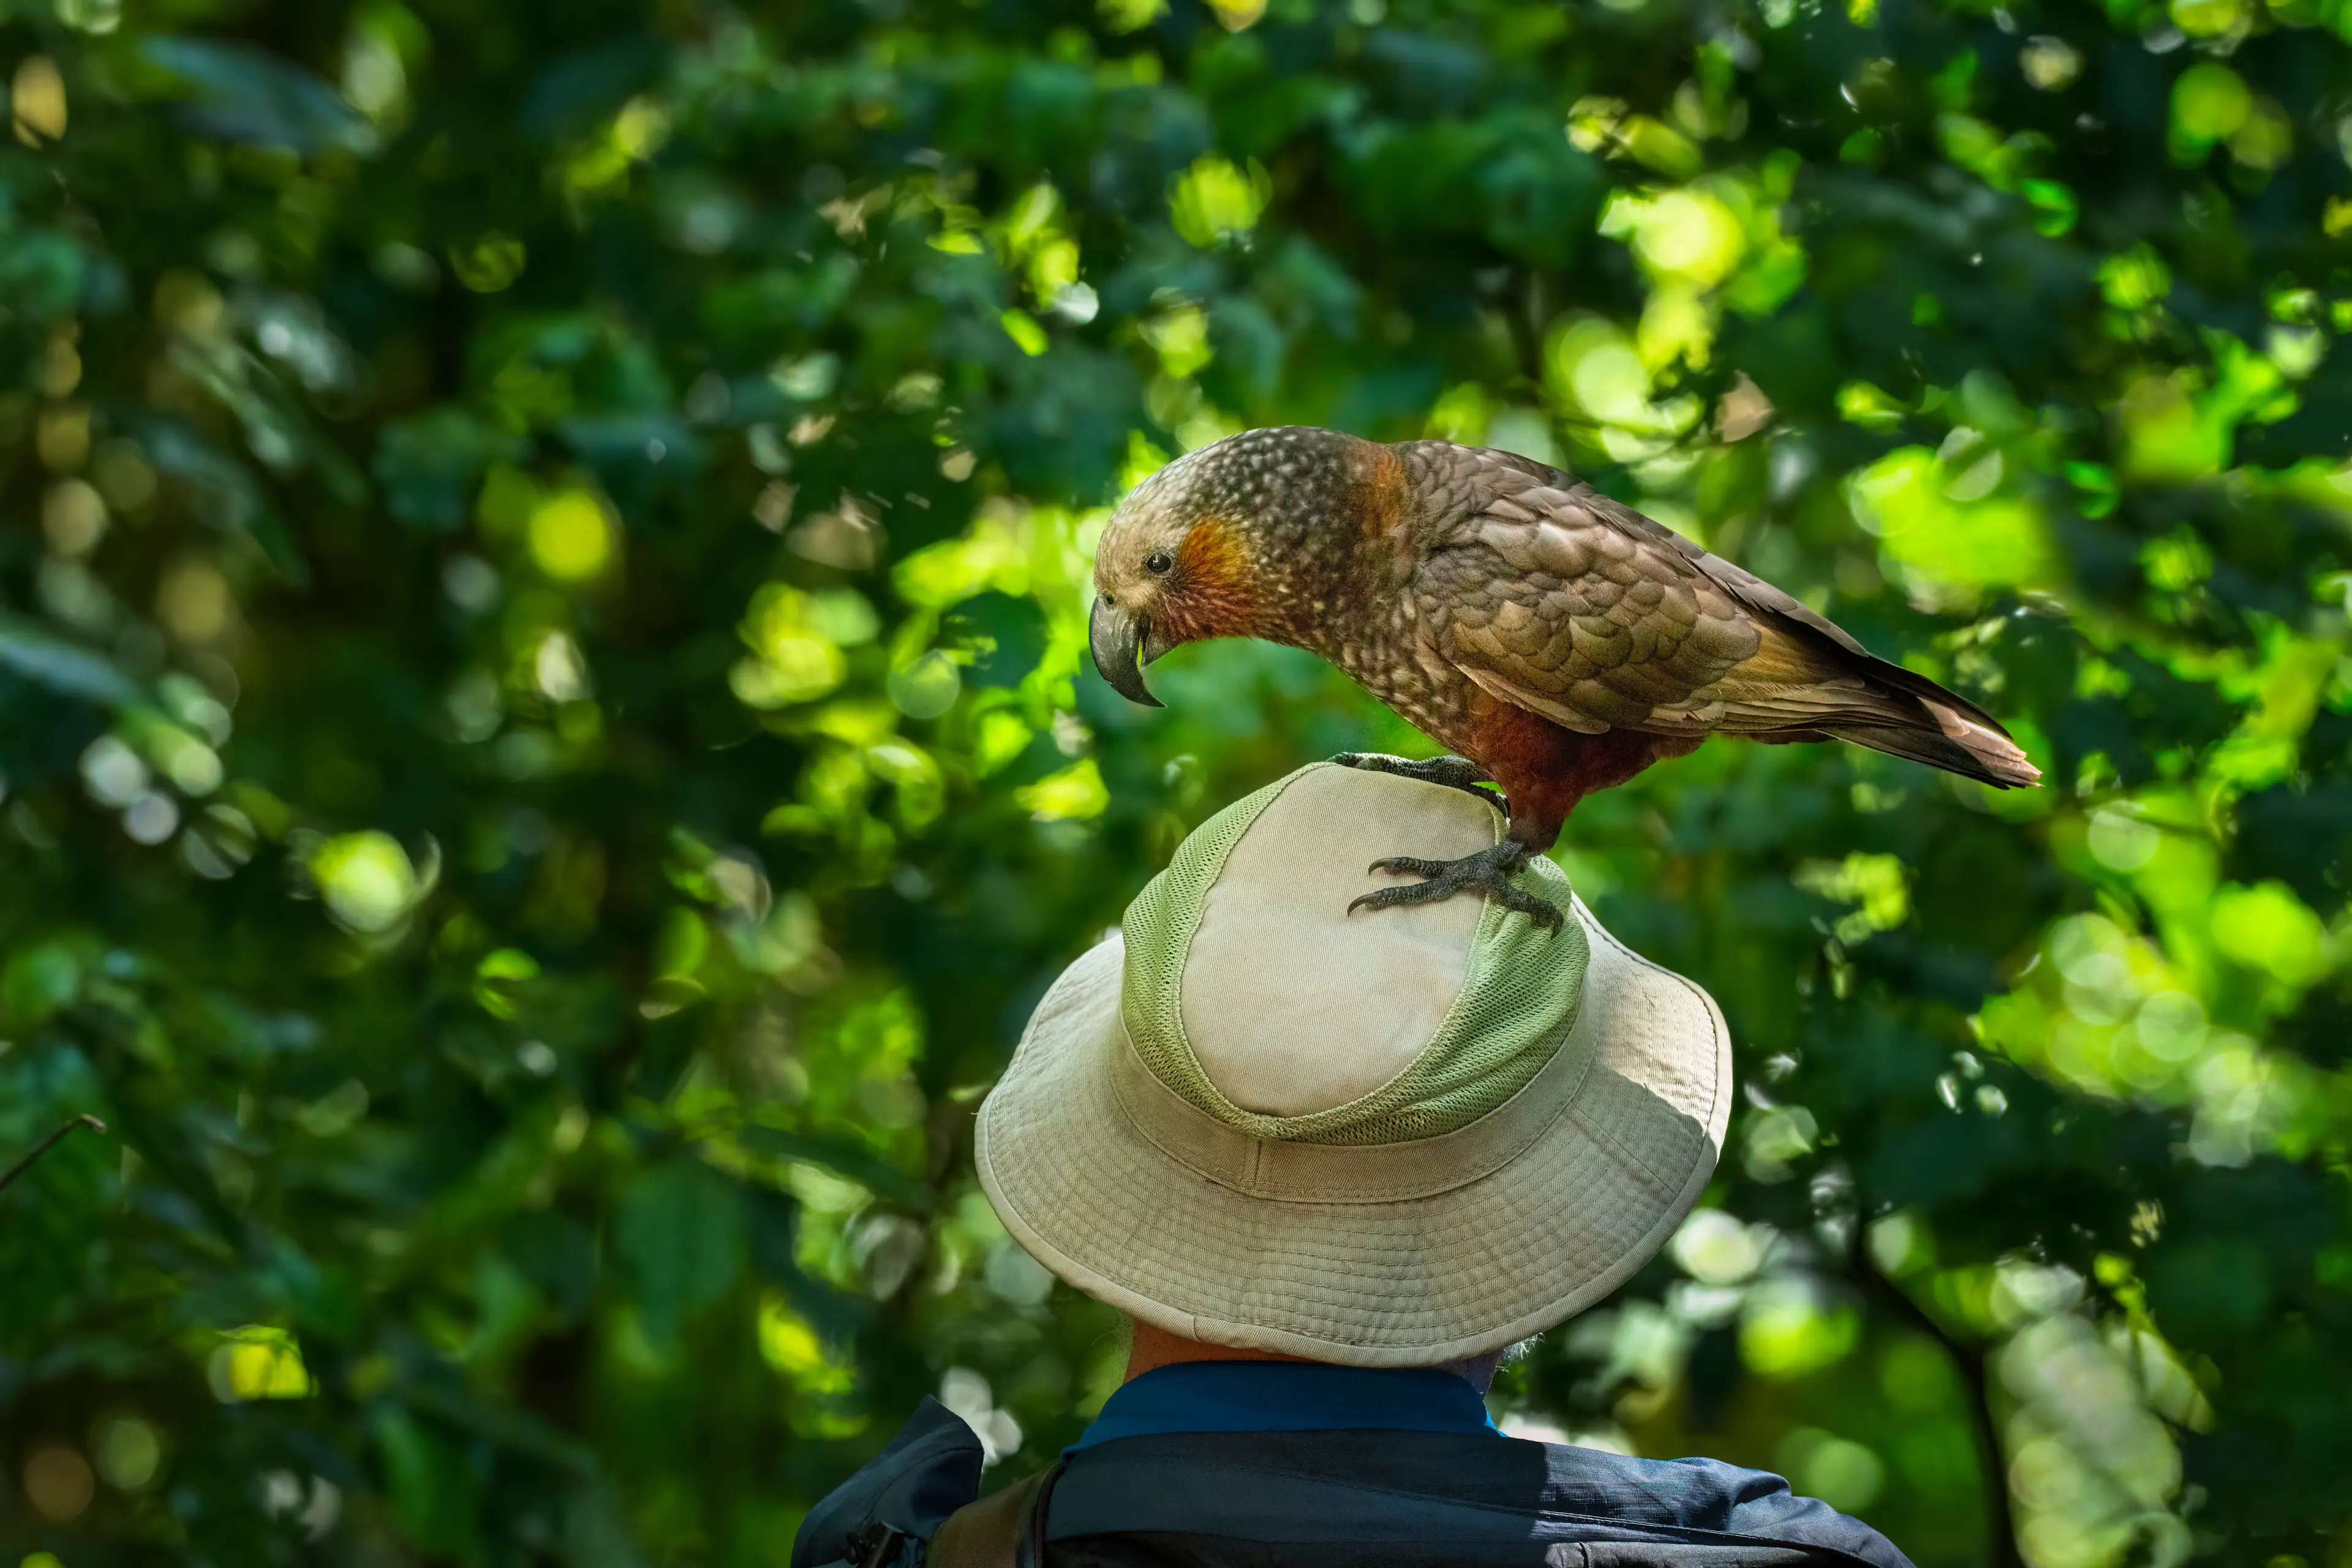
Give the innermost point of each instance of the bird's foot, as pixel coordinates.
(1488, 872)
(1453, 772)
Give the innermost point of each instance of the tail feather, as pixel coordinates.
(1796, 681)
(1958, 746)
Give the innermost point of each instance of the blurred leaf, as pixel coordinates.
(678, 1230)
(244, 94)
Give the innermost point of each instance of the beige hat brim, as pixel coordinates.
(1598, 1185)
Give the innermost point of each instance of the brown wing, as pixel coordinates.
(1556, 599)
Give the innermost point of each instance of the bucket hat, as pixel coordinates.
(1391, 1138)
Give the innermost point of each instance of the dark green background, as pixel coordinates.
(548, 750)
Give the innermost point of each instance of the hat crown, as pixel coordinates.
(1251, 991)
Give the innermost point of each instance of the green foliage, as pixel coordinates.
(547, 750)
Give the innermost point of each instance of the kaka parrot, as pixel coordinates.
(1560, 641)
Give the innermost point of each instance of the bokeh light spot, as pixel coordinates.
(259, 1363)
(127, 1452)
(570, 537)
(366, 879)
(57, 1483)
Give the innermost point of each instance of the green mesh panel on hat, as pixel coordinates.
(1518, 1001)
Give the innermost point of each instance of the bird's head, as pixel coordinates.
(1222, 542)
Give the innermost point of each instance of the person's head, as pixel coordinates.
(1404, 1137)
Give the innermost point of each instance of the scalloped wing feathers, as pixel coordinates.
(1556, 599)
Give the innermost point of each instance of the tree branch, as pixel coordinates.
(2000, 1521)
(46, 1144)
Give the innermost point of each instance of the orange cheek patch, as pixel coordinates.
(1213, 593)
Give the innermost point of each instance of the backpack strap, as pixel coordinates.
(1005, 1528)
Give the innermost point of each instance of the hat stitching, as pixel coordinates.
(1258, 1183)
(1633, 1161)
(1408, 1249)
(1717, 1030)
(1368, 1348)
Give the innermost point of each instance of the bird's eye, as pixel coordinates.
(1159, 563)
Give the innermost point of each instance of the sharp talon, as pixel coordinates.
(1543, 911)
(1546, 917)
(1487, 872)
(1384, 898)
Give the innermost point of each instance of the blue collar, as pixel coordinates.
(1287, 1397)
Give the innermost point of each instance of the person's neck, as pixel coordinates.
(1153, 1348)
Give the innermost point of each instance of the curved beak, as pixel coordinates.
(1119, 640)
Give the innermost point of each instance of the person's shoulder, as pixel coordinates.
(1709, 1495)
(925, 1473)
(1271, 1485)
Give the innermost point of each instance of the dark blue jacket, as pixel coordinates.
(1360, 1498)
